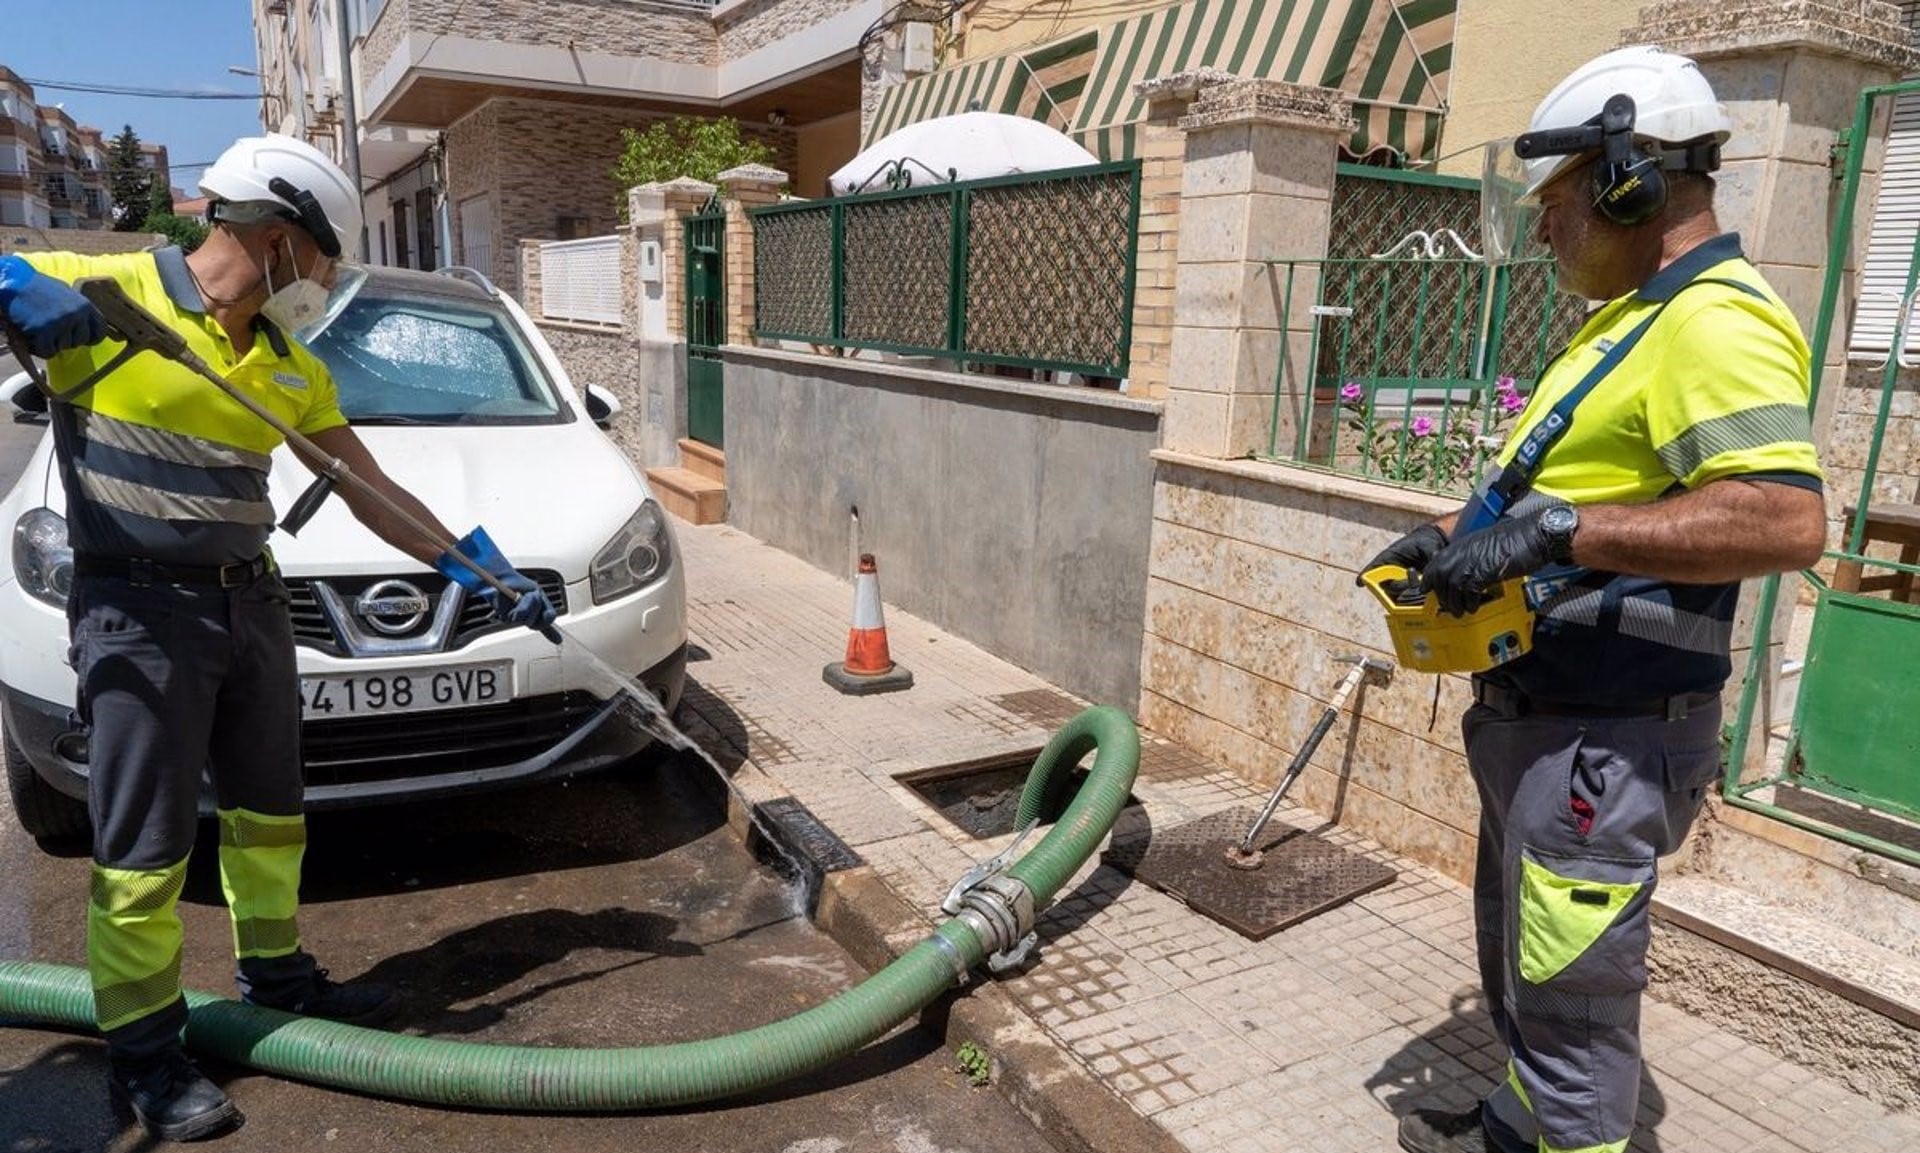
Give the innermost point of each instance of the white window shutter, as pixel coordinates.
(1896, 222)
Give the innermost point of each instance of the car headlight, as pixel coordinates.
(42, 562)
(637, 555)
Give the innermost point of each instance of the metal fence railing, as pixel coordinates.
(1034, 270)
(580, 280)
(1418, 366)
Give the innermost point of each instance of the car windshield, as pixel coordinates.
(429, 359)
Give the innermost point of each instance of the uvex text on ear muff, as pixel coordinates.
(1628, 186)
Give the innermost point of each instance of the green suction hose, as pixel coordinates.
(995, 915)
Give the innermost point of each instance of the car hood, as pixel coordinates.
(549, 495)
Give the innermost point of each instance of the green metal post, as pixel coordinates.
(1280, 377)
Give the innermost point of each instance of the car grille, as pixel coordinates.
(314, 628)
(357, 750)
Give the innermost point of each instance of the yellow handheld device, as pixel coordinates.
(1430, 641)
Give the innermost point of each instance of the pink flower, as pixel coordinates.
(1512, 401)
(1351, 391)
(1423, 426)
(1505, 384)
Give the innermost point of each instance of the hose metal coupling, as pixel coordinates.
(1000, 912)
(997, 906)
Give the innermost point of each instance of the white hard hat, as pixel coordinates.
(1672, 105)
(261, 177)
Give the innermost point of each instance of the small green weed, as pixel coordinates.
(974, 1062)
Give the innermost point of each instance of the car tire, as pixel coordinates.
(49, 816)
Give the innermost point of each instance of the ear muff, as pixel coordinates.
(1629, 186)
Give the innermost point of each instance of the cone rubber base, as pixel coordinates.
(854, 684)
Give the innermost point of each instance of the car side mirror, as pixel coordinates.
(602, 406)
(28, 401)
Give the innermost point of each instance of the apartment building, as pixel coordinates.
(483, 122)
(53, 171)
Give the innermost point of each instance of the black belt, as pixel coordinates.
(142, 571)
(1512, 703)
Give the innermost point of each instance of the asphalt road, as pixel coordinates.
(613, 911)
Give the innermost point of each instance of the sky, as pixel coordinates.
(179, 44)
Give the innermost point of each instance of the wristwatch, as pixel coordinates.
(1558, 524)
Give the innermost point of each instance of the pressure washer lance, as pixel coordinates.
(1244, 855)
(143, 332)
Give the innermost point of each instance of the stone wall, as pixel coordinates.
(648, 377)
(1897, 472)
(1015, 515)
(1250, 601)
(612, 27)
(86, 241)
(544, 162)
(753, 24)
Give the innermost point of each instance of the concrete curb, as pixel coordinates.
(1063, 1099)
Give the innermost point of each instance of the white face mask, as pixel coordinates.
(296, 305)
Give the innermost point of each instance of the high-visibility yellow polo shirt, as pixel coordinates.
(157, 461)
(1716, 388)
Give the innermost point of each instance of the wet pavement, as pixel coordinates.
(617, 910)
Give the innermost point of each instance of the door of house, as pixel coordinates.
(706, 323)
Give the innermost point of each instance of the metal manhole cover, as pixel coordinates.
(1302, 874)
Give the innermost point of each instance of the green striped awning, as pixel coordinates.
(1042, 83)
(1392, 56)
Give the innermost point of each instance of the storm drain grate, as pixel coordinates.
(1301, 875)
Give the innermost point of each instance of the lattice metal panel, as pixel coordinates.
(1371, 213)
(898, 270)
(1049, 270)
(793, 272)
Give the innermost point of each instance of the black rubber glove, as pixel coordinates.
(1410, 552)
(1461, 575)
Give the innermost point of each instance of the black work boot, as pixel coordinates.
(174, 1100)
(312, 994)
(1434, 1131)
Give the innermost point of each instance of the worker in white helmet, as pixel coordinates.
(1665, 455)
(180, 628)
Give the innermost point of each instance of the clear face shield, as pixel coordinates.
(1507, 215)
(347, 282)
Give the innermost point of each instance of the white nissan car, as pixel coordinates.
(409, 687)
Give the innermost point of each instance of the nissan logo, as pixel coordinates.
(393, 607)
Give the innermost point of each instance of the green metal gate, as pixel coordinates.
(1855, 732)
(706, 323)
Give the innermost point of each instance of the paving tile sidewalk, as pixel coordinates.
(1315, 1039)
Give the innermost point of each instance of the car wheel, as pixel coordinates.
(48, 815)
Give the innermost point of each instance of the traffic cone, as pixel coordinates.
(869, 667)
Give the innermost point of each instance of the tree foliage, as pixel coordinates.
(184, 231)
(684, 146)
(129, 182)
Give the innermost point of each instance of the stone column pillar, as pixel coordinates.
(1256, 187)
(749, 186)
(1163, 151)
(667, 206)
(530, 277)
(1790, 73)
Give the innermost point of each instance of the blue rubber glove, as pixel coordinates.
(47, 311)
(532, 610)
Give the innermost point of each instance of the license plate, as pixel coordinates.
(412, 691)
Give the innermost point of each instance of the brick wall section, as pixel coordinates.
(613, 27)
(758, 23)
(86, 241)
(745, 189)
(529, 281)
(681, 199)
(544, 160)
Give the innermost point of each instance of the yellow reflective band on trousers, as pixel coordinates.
(1609, 1147)
(260, 873)
(1560, 917)
(133, 941)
